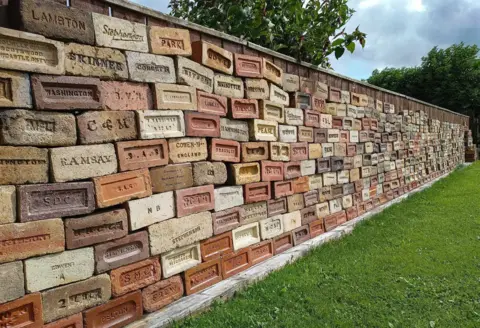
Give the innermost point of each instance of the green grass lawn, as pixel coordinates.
(417, 264)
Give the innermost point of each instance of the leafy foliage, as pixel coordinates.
(308, 30)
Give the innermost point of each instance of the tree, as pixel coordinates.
(448, 78)
(308, 30)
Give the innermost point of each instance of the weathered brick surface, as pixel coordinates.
(135, 276)
(216, 247)
(172, 96)
(147, 211)
(74, 321)
(248, 66)
(169, 41)
(162, 293)
(126, 96)
(194, 200)
(211, 104)
(102, 127)
(26, 311)
(203, 276)
(212, 56)
(18, 84)
(180, 259)
(12, 281)
(21, 165)
(150, 68)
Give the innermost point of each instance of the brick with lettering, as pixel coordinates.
(299, 151)
(211, 104)
(271, 111)
(261, 130)
(180, 259)
(257, 192)
(150, 68)
(133, 155)
(340, 149)
(292, 170)
(245, 173)
(236, 262)
(162, 293)
(277, 206)
(154, 124)
(272, 171)
(333, 135)
(312, 118)
(279, 96)
(73, 321)
(227, 220)
(73, 298)
(183, 150)
(203, 276)
(234, 129)
(23, 312)
(169, 41)
(228, 197)
(311, 197)
(320, 136)
(257, 89)
(255, 212)
(212, 56)
(81, 162)
(248, 66)
(308, 215)
(294, 116)
(291, 221)
(271, 227)
(21, 165)
(246, 235)
(279, 151)
(118, 312)
(8, 204)
(228, 86)
(334, 94)
(301, 185)
(254, 151)
(282, 243)
(94, 61)
(225, 150)
(147, 211)
(194, 200)
(173, 96)
(243, 108)
(283, 188)
(17, 85)
(118, 188)
(135, 276)
(171, 177)
(322, 209)
(325, 193)
(291, 82)
(295, 202)
(272, 72)
(287, 133)
(308, 167)
(316, 228)
(318, 104)
(202, 125)
(102, 127)
(58, 269)
(261, 251)
(305, 134)
(320, 90)
(48, 58)
(315, 181)
(301, 235)
(194, 74)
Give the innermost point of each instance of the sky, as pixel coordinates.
(399, 32)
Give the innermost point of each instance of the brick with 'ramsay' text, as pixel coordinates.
(171, 177)
(139, 154)
(202, 125)
(194, 200)
(183, 150)
(248, 66)
(202, 276)
(135, 276)
(162, 293)
(147, 211)
(178, 232)
(174, 96)
(103, 127)
(213, 56)
(211, 104)
(225, 150)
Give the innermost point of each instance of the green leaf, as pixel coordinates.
(339, 52)
(337, 42)
(351, 47)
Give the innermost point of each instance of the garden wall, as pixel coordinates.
(142, 163)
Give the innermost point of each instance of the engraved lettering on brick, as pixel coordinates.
(54, 200)
(18, 317)
(272, 69)
(163, 123)
(39, 15)
(97, 62)
(185, 256)
(139, 274)
(215, 56)
(204, 275)
(248, 170)
(123, 251)
(27, 51)
(226, 149)
(196, 76)
(6, 89)
(172, 43)
(165, 292)
(143, 153)
(280, 95)
(96, 230)
(244, 107)
(176, 97)
(74, 300)
(118, 313)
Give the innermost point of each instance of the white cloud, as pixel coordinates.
(369, 3)
(416, 5)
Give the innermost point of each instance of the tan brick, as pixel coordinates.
(212, 56)
(20, 165)
(183, 150)
(169, 41)
(171, 96)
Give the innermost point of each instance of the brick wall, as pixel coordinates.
(140, 164)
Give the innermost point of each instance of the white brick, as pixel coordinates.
(245, 235)
(271, 227)
(180, 259)
(147, 211)
(228, 197)
(292, 221)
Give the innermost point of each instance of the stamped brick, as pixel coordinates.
(334, 95)
(216, 247)
(272, 171)
(261, 130)
(305, 134)
(320, 90)
(292, 170)
(291, 82)
(299, 151)
(279, 151)
(153, 124)
(295, 202)
(319, 104)
(212, 56)
(225, 150)
(291, 220)
(245, 173)
(174, 96)
(194, 200)
(301, 100)
(133, 155)
(246, 235)
(282, 243)
(36, 238)
(294, 116)
(150, 68)
(312, 118)
(48, 57)
(254, 151)
(254, 212)
(202, 125)
(64, 301)
(194, 74)
(257, 192)
(118, 188)
(248, 66)
(203, 276)
(311, 197)
(205, 173)
(81, 162)
(243, 108)
(8, 204)
(12, 280)
(308, 214)
(96, 228)
(301, 235)
(74, 321)
(147, 211)
(119, 33)
(261, 251)
(103, 127)
(211, 104)
(228, 86)
(171, 177)
(306, 85)
(315, 181)
(135, 276)
(271, 111)
(126, 96)
(279, 96)
(277, 206)
(257, 89)
(21, 165)
(316, 228)
(16, 86)
(237, 262)
(227, 197)
(272, 72)
(180, 259)
(308, 167)
(24, 312)
(234, 129)
(178, 232)
(301, 184)
(227, 220)
(183, 150)
(283, 188)
(162, 293)
(117, 313)
(95, 62)
(287, 133)
(320, 136)
(58, 269)
(38, 202)
(169, 41)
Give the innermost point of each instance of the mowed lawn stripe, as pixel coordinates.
(417, 264)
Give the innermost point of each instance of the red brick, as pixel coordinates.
(215, 247)
(292, 170)
(224, 150)
(194, 200)
(117, 313)
(320, 135)
(337, 122)
(118, 188)
(26, 312)
(135, 276)
(248, 66)
(211, 104)
(344, 136)
(312, 118)
(283, 188)
(257, 192)
(308, 214)
(202, 276)
(301, 235)
(369, 205)
(298, 151)
(301, 185)
(351, 149)
(234, 263)
(351, 213)
(261, 251)
(74, 321)
(141, 154)
(254, 151)
(126, 95)
(272, 171)
(277, 206)
(311, 197)
(334, 95)
(202, 125)
(316, 228)
(244, 108)
(227, 220)
(162, 293)
(282, 243)
(318, 104)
